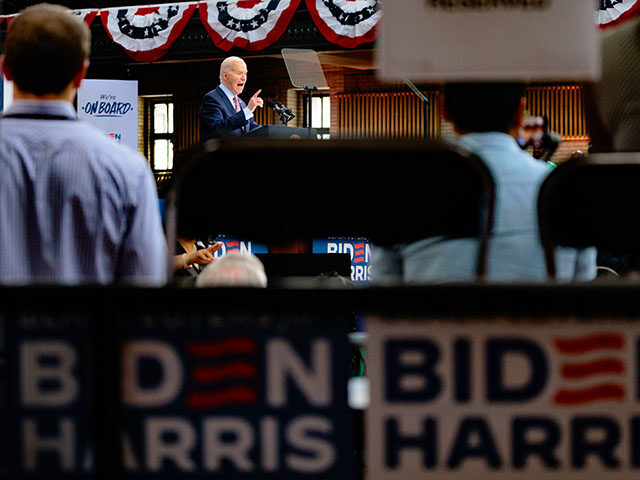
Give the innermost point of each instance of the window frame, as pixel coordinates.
(321, 131)
(151, 136)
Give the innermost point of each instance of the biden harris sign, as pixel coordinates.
(491, 40)
(201, 396)
(500, 400)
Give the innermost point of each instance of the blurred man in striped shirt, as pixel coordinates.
(75, 207)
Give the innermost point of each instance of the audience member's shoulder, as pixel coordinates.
(536, 166)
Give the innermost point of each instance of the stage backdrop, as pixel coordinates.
(111, 106)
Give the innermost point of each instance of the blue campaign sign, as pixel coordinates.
(236, 397)
(359, 250)
(231, 244)
(48, 396)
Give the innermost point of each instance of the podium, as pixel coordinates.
(282, 131)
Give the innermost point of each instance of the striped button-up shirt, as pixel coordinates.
(75, 207)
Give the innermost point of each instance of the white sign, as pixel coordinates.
(476, 400)
(111, 106)
(455, 40)
(7, 93)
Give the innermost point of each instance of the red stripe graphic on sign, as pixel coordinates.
(595, 367)
(241, 345)
(230, 396)
(220, 380)
(607, 391)
(590, 343)
(233, 370)
(600, 351)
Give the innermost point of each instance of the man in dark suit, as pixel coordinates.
(223, 113)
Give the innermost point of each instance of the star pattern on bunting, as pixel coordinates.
(146, 33)
(247, 24)
(614, 12)
(348, 23)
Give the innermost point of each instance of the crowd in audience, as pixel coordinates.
(77, 208)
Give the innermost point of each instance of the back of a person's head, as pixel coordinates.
(45, 47)
(483, 107)
(235, 269)
(333, 280)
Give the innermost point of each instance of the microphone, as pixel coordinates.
(285, 113)
(276, 106)
(286, 110)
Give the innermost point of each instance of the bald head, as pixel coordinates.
(46, 48)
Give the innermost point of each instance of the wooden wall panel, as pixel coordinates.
(186, 123)
(387, 115)
(563, 106)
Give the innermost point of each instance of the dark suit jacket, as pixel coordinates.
(218, 117)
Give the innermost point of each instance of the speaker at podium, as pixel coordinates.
(282, 131)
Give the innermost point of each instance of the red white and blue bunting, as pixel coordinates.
(87, 14)
(146, 33)
(247, 24)
(614, 12)
(348, 23)
(8, 18)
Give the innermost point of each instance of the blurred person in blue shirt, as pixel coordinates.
(487, 118)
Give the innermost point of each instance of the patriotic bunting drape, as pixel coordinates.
(614, 12)
(8, 18)
(248, 24)
(348, 23)
(146, 33)
(86, 14)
